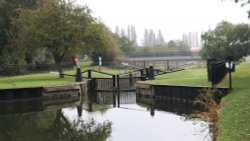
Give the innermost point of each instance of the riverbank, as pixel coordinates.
(234, 116)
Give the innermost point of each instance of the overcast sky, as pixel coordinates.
(173, 17)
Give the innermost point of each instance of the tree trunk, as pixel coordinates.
(59, 69)
(58, 62)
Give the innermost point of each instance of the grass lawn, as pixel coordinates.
(191, 77)
(33, 81)
(235, 115)
(46, 79)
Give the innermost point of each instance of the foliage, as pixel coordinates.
(107, 45)
(9, 55)
(209, 102)
(57, 26)
(127, 46)
(131, 34)
(178, 45)
(172, 46)
(226, 40)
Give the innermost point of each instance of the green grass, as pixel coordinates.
(34, 80)
(46, 79)
(235, 115)
(191, 77)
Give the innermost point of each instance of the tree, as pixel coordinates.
(57, 26)
(8, 31)
(178, 46)
(131, 34)
(226, 40)
(105, 44)
(159, 39)
(127, 46)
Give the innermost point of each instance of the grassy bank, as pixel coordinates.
(235, 115)
(191, 77)
(46, 79)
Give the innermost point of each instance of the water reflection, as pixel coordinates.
(100, 117)
(41, 120)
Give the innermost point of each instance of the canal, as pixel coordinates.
(104, 116)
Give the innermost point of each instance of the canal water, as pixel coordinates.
(101, 117)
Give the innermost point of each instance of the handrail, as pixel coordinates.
(130, 72)
(169, 72)
(102, 72)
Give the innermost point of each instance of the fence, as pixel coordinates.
(216, 71)
(168, 64)
(10, 70)
(165, 54)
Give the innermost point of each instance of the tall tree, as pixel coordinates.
(129, 32)
(159, 39)
(226, 40)
(58, 26)
(117, 30)
(133, 35)
(151, 38)
(7, 30)
(123, 33)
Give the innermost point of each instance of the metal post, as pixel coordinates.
(151, 73)
(118, 91)
(230, 75)
(78, 75)
(130, 80)
(89, 73)
(114, 100)
(167, 64)
(118, 83)
(114, 84)
(114, 91)
(147, 72)
(118, 98)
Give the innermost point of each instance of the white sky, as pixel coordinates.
(173, 17)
